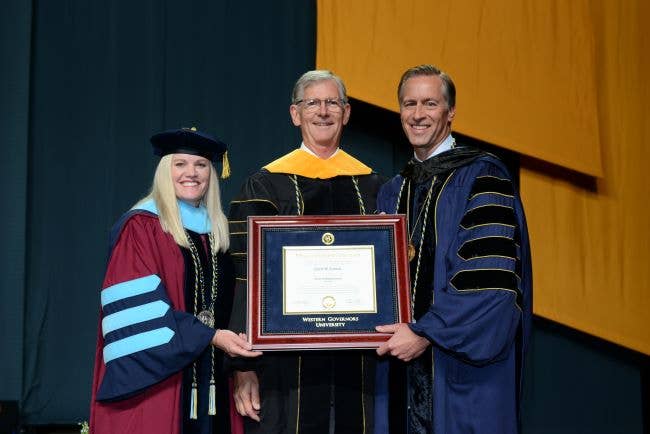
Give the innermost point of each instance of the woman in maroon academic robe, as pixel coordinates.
(166, 297)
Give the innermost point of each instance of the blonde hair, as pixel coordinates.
(163, 194)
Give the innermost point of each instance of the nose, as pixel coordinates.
(322, 109)
(419, 111)
(192, 171)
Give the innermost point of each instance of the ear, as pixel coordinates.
(451, 114)
(346, 113)
(295, 115)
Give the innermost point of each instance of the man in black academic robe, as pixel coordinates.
(316, 391)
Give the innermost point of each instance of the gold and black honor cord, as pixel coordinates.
(300, 203)
(206, 316)
(411, 248)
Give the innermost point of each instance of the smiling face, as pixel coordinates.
(190, 175)
(321, 129)
(425, 114)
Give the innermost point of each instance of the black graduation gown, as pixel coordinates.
(301, 392)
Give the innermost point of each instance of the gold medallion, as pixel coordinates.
(328, 238)
(411, 251)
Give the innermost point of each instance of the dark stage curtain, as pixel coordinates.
(15, 40)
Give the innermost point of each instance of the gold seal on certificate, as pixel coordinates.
(328, 238)
(329, 302)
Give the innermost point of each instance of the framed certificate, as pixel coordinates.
(325, 282)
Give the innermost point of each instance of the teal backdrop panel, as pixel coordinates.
(578, 384)
(15, 40)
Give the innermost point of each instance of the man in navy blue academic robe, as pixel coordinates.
(462, 357)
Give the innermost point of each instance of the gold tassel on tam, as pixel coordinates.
(225, 166)
(194, 402)
(212, 406)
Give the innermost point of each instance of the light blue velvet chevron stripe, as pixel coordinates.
(130, 288)
(135, 343)
(133, 315)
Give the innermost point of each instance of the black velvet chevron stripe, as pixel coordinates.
(253, 207)
(485, 279)
(488, 246)
(238, 244)
(492, 184)
(488, 214)
(517, 238)
(238, 226)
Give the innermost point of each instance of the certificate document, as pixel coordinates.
(329, 279)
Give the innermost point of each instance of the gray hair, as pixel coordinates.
(448, 86)
(312, 77)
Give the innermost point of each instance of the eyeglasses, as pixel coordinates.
(333, 105)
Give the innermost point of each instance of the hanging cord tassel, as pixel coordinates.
(212, 398)
(212, 409)
(198, 282)
(212, 403)
(194, 402)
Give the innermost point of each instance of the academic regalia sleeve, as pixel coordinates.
(387, 195)
(145, 337)
(369, 186)
(475, 316)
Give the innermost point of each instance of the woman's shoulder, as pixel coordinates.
(132, 222)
